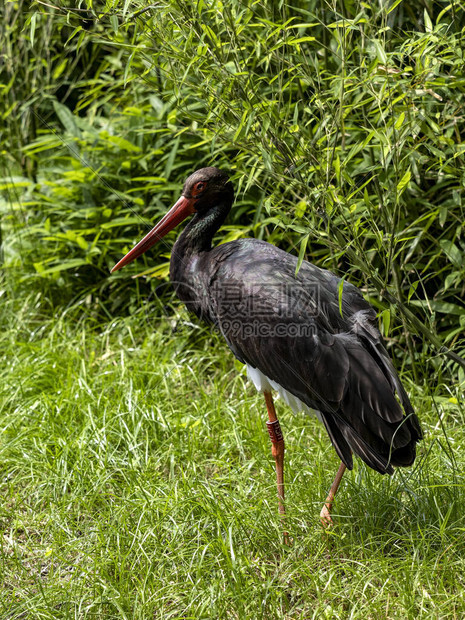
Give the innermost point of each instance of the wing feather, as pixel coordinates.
(290, 327)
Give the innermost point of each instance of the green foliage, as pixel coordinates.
(341, 125)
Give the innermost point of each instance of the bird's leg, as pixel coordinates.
(325, 516)
(277, 450)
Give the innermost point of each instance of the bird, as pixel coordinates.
(304, 333)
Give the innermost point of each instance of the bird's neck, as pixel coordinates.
(198, 234)
(195, 240)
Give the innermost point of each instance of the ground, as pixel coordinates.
(137, 482)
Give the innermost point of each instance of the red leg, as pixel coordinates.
(277, 450)
(325, 516)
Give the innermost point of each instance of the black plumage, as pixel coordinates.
(335, 363)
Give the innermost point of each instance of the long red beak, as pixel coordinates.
(178, 212)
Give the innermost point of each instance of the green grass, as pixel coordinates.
(137, 482)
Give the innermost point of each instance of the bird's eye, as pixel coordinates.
(199, 187)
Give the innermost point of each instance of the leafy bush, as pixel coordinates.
(342, 128)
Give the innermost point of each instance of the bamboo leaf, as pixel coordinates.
(386, 321)
(404, 182)
(340, 292)
(303, 247)
(453, 253)
(67, 119)
(393, 6)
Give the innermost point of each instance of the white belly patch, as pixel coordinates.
(265, 384)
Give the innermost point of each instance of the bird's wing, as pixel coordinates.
(327, 352)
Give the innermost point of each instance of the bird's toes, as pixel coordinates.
(325, 517)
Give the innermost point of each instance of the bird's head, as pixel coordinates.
(202, 190)
(206, 188)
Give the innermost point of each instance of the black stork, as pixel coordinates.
(307, 335)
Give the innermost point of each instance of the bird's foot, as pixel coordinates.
(325, 516)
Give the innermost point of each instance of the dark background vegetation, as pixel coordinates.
(342, 125)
